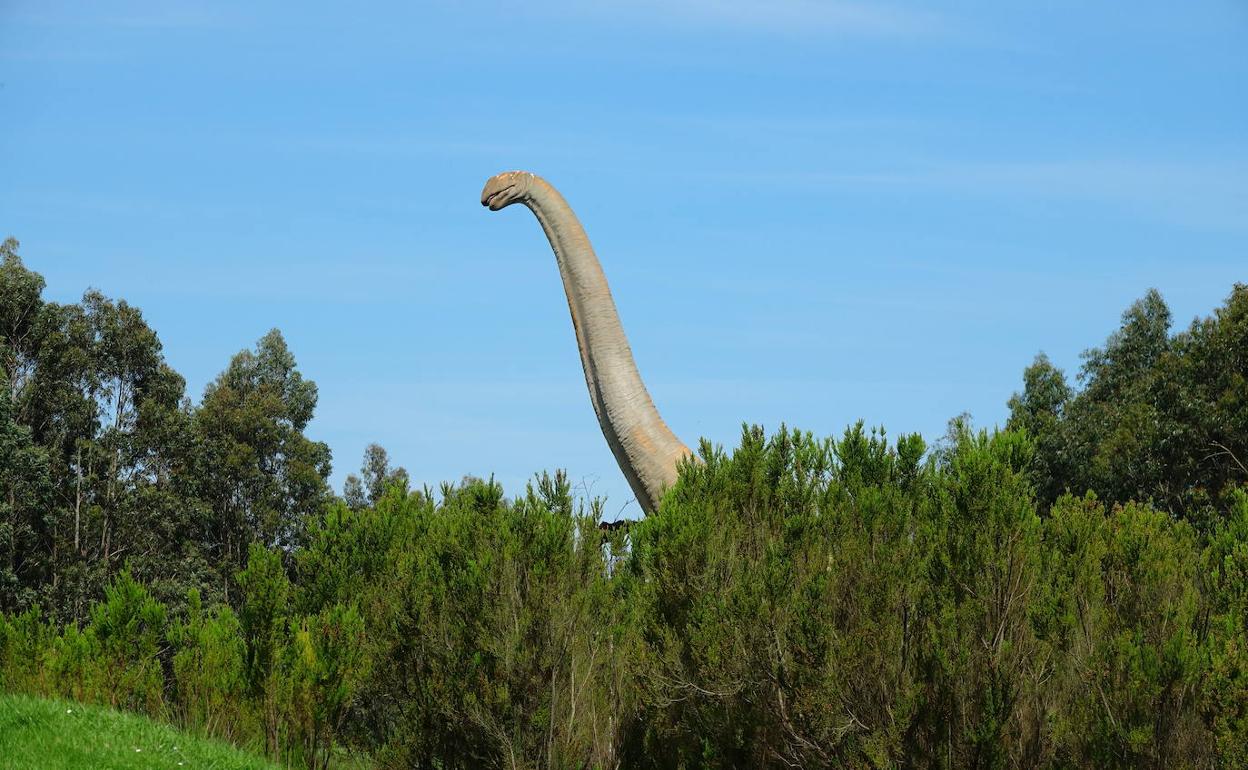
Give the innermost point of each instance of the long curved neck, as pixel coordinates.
(645, 448)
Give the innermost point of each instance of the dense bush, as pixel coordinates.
(207, 667)
(493, 630)
(834, 603)
(855, 602)
(1069, 592)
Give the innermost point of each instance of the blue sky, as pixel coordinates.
(810, 212)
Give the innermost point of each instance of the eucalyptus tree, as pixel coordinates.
(24, 505)
(261, 476)
(376, 476)
(88, 385)
(1160, 417)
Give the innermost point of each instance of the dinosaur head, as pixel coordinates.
(505, 189)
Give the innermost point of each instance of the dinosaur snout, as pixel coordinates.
(504, 189)
(496, 198)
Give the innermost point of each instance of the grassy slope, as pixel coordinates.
(54, 734)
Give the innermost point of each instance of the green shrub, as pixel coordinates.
(77, 667)
(490, 627)
(328, 663)
(856, 602)
(1225, 590)
(208, 671)
(839, 603)
(129, 629)
(264, 623)
(24, 640)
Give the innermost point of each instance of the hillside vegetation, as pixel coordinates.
(41, 734)
(1070, 591)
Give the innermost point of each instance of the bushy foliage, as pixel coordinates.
(1069, 592)
(129, 628)
(327, 664)
(24, 640)
(915, 615)
(493, 632)
(209, 681)
(853, 602)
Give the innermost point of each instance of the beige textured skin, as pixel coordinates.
(645, 448)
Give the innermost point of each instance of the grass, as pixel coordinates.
(36, 733)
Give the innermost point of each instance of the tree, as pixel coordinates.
(263, 478)
(375, 477)
(22, 320)
(1160, 418)
(1038, 412)
(25, 562)
(1213, 406)
(86, 385)
(135, 394)
(24, 503)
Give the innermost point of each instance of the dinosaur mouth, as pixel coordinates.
(499, 198)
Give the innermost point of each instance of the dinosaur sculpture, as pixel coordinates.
(647, 451)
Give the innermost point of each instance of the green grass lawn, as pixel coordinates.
(41, 734)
